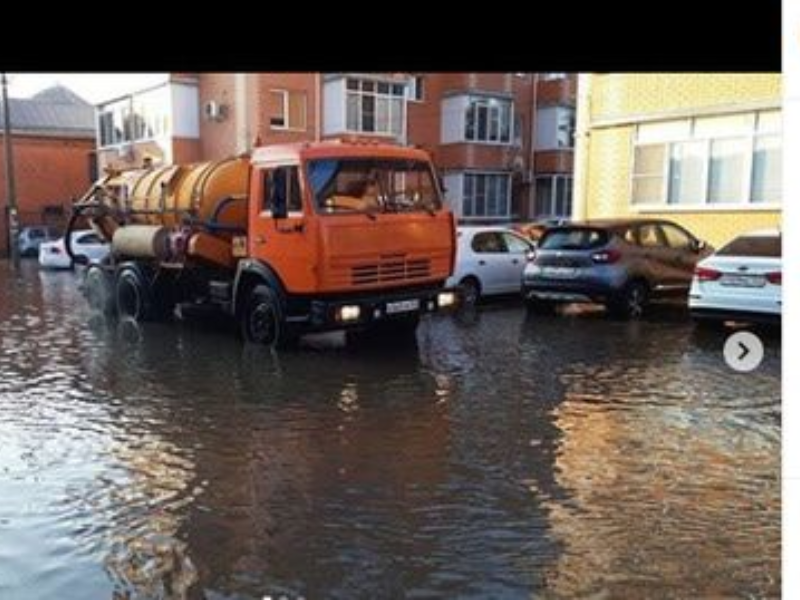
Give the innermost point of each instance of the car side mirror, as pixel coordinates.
(699, 245)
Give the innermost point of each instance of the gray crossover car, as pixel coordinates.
(622, 263)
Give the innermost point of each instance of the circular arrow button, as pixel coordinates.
(743, 351)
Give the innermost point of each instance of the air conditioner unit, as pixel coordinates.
(214, 111)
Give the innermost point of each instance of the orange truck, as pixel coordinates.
(290, 239)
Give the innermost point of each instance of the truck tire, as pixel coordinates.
(262, 320)
(99, 291)
(132, 296)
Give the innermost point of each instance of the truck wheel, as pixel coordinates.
(98, 290)
(262, 319)
(133, 296)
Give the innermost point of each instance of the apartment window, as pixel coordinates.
(555, 127)
(767, 171)
(486, 195)
(552, 76)
(135, 118)
(488, 120)
(553, 197)
(287, 109)
(416, 89)
(722, 160)
(375, 107)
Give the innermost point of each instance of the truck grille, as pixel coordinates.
(391, 269)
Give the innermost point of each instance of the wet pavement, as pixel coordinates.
(499, 456)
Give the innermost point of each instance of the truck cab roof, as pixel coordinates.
(282, 153)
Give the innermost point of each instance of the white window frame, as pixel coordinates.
(557, 109)
(504, 217)
(360, 92)
(552, 201)
(485, 100)
(287, 126)
(159, 121)
(414, 88)
(744, 201)
(552, 76)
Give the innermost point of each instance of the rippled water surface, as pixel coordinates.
(501, 456)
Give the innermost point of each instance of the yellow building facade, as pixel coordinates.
(704, 150)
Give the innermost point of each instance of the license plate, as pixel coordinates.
(401, 306)
(560, 272)
(743, 280)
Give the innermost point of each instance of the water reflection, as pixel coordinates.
(495, 456)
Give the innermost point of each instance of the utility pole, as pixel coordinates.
(11, 188)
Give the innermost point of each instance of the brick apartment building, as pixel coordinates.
(53, 141)
(503, 141)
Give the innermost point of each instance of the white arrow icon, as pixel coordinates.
(743, 351)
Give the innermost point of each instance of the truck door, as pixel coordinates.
(283, 243)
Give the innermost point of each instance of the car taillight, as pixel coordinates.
(775, 278)
(606, 257)
(706, 274)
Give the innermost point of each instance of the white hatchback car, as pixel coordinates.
(740, 282)
(489, 260)
(53, 255)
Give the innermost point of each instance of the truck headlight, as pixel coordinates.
(348, 312)
(445, 299)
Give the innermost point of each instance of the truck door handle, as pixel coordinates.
(482, 263)
(259, 239)
(295, 228)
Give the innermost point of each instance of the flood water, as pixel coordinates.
(501, 456)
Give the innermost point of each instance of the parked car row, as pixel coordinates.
(53, 255)
(623, 264)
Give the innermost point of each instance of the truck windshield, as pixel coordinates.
(370, 185)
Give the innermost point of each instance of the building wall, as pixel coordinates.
(246, 120)
(245, 98)
(48, 172)
(619, 102)
(218, 137)
(132, 155)
(263, 83)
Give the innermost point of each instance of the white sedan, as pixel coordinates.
(740, 282)
(53, 255)
(489, 260)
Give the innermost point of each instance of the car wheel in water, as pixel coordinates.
(631, 302)
(470, 289)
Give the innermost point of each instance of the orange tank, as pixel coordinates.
(211, 194)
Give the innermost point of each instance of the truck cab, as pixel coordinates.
(344, 236)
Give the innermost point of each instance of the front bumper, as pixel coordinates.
(365, 310)
(567, 290)
(725, 314)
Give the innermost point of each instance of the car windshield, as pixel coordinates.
(370, 185)
(573, 239)
(760, 246)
